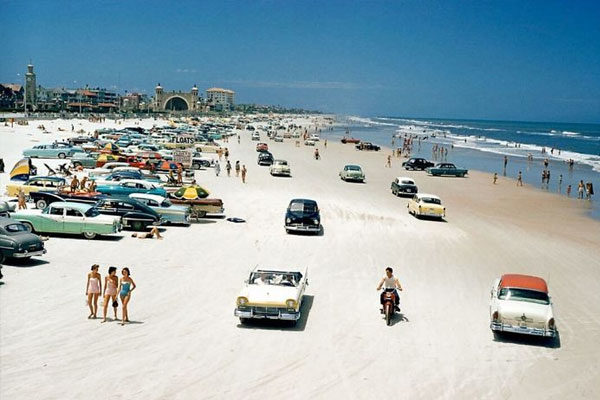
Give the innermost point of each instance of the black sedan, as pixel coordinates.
(303, 215)
(17, 242)
(265, 158)
(417, 164)
(134, 214)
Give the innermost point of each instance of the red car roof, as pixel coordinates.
(523, 282)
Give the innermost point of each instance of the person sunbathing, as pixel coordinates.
(149, 235)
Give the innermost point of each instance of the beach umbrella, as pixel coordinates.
(104, 158)
(21, 170)
(167, 165)
(111, 147)
(192, 192)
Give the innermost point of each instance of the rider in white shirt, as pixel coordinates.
(390, 283)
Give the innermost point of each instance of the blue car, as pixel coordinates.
(128, 186)
(54, 150)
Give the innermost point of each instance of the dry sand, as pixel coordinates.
(185, 343)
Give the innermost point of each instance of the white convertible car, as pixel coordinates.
(280, 167)
(520, 304)
(272, 294)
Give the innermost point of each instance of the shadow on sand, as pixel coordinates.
(273, 324)
(20, 263)
(528, 340)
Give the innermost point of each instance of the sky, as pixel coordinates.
(499, 60)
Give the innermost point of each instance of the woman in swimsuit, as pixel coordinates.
(126, 286)
(93, 288)
(111, 282)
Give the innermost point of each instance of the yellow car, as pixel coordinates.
(36, 184)
(426, 205)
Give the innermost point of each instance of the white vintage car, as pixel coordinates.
(280, 167)
(272, 294)
(520, 304)
(426, 205)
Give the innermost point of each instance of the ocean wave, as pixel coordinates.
(568, 133)
(369, 121)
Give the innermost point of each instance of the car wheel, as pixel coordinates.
(41, 204)
(28, 226)
(244, 321)
(137, 226)
(62, 155)
(196, 166)
(89, 235)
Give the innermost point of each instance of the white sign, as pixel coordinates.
(183, 157)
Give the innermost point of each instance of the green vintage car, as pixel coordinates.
(86, 160)
(68, 217)
(446, 169)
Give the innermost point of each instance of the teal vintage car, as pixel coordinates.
(169, 213)
(54, 150)
(447, 169)
(68, 217)
(86, 160)
(128, 186)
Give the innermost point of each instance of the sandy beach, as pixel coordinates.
(184, 342)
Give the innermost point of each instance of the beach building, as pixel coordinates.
(219, 99)
(11, 95)
(176, 101)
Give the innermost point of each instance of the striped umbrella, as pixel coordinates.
(192, 192)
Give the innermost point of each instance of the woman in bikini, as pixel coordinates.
(93, 287)
(111, 282)
(126, 286)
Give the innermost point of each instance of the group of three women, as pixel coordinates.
(112, 286)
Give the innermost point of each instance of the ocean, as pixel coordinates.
(482, 145)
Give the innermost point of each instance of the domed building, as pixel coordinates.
(176, 101)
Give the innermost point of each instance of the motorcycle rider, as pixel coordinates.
(390, 283)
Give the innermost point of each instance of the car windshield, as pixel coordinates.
(92, 212)
(303, 207)
(431, 200)
(281, 162)
(275, 278)
(14, 228)
(407, 182)
(353, 168)
(532, 296)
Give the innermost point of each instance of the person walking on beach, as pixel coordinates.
(217, 168)
(580, 190)
(126, 286)
(21, 200)
(226, 154)
(589, 190)
(228, 168)
(388, 164)
(179, 175)
(543, 178)
(546, 162)
(237, 168)
(505, 162)
(560, 183)
(238, 138)
(111, 282)
(520, 179)
(495, 177)
(1, 165)
(93, 287)
(325, 143)
(244, 171)
(569, 191)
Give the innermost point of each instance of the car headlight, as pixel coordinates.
(241, 301)
(316, 221)
(291, 303)
(288, 221)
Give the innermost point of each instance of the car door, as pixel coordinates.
(53, 220)
(108, 207)
(73, 221)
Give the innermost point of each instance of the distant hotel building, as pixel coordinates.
(220, 99)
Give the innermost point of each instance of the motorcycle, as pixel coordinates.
(388, 305)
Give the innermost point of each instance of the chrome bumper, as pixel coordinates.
(303, 228)
(282, 315)
(26, 253)
(500, 327)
